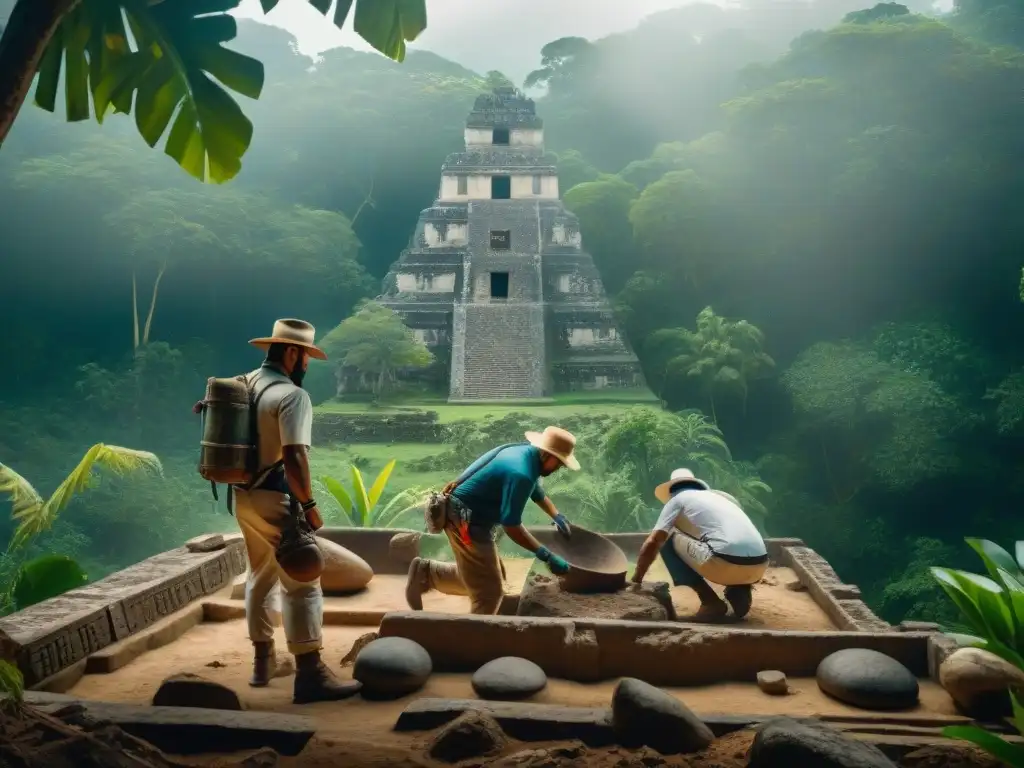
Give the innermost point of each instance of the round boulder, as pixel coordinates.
(344, 570)
(509, 678)
(867, 679)
(979, 682)
(188, 690)
(392, 667)
(645, 715)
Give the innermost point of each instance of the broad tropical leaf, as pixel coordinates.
(34, 519)
(994, 557)
(90, 40)
(387, 25)
(1019, 552)
(337, 490)
(362, 505)
(378, 485)
(1010, 754)
(46, 577)
(993, 603)
(178, 52)
(951, 586)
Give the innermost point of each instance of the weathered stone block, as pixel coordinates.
(52, 635)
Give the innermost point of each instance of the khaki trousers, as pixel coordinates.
(261, 515)
(702, 559)
(476, 572)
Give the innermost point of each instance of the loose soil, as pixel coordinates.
(775, 606)
(359, 733)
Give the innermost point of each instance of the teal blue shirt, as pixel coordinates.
(497, 494)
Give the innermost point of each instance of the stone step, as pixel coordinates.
(190, 730)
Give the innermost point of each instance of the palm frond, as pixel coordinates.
(121, 461)
(25, 500)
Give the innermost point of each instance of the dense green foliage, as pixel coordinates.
(810, 228)
(993, 608)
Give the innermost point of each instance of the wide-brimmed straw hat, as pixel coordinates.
(558, 443)
(296, 333)
(664, 491)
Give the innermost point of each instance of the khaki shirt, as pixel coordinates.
(285, 415)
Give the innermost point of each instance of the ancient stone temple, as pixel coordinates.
(495, 280)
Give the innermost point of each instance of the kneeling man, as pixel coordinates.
(704, 536)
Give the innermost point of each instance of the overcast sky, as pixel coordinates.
(480, 34)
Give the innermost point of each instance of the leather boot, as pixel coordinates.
(315, 682)
(264, 665)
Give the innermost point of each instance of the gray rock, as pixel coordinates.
(773, 682)
(471, 735)
(867, 679)
(509, 678)
(784, 741)
(187, 690)
(208, 542)
(645, 715)
(391, 667)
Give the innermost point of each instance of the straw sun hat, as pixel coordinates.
(296, 333)
(664, 491)
(558, 443)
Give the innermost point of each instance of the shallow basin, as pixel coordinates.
(598, 564)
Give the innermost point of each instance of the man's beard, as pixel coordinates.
(297, 375)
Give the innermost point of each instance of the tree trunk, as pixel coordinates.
(152, 303)
(29, 29)
(135, 315)
(714, 412)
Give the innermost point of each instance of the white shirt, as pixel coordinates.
(285, 415)
(706, 514)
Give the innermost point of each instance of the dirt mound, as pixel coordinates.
(30, 738)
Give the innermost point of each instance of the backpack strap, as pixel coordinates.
(258, 475)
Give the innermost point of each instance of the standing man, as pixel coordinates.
(284, 427)
(493, 491)
(704, 536)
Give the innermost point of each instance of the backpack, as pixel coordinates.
(229, 449)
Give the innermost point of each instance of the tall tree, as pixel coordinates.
(375, 341)
(721, 355)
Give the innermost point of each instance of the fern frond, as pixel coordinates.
(118, 460)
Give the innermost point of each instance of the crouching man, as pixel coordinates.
(704, 536)
(493, 491)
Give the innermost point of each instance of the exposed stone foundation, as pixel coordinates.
(55, 634)
(421, 427)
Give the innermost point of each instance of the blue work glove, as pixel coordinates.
(557, 565)
(562, 525)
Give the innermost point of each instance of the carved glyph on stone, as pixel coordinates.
(55, 634)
